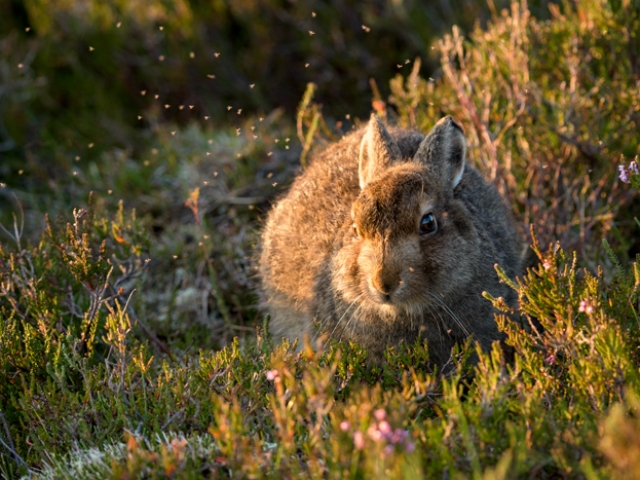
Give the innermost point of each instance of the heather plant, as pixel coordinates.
(116, 358)
(259, 410)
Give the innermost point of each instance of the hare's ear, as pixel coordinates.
(444, 150)
(378, 151)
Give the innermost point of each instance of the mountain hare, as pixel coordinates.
(389, 236)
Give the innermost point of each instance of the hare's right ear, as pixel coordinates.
(444, 151)
(378, 151)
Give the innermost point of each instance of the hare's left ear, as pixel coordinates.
(444, 150)
(378, 151)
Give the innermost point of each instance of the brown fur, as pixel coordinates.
(342, 254)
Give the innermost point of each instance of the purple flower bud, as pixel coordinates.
(388, 450)
(344, 426)
(358, 440)
(399, 435)
(410, 447)
(551, 359)
(624, 173)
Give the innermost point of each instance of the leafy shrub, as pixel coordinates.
(55, 301)
(255, 410)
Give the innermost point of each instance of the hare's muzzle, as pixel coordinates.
(384, 284)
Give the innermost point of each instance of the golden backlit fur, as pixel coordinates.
(343, 254)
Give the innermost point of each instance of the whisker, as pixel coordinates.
(345, 313)
(353, 315)
(453, 316)
(323, 323)
(440, 323)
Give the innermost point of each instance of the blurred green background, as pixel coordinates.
(76, 76)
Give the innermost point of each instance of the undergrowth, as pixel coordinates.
(131, 345)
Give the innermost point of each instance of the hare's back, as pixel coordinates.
(493, 221)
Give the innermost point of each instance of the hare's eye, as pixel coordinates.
(428, 224)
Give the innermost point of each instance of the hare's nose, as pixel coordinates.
(383, 284)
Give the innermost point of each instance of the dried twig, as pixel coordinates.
(10, 447)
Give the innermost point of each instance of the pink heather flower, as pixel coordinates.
(383, 433)
(358, 440)
(585, 307)
(384, 428)
(271, 375)
(551, 359)
(409, 447)
(374, 434)
(546, 264)
(344, 426)
(625, 171)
